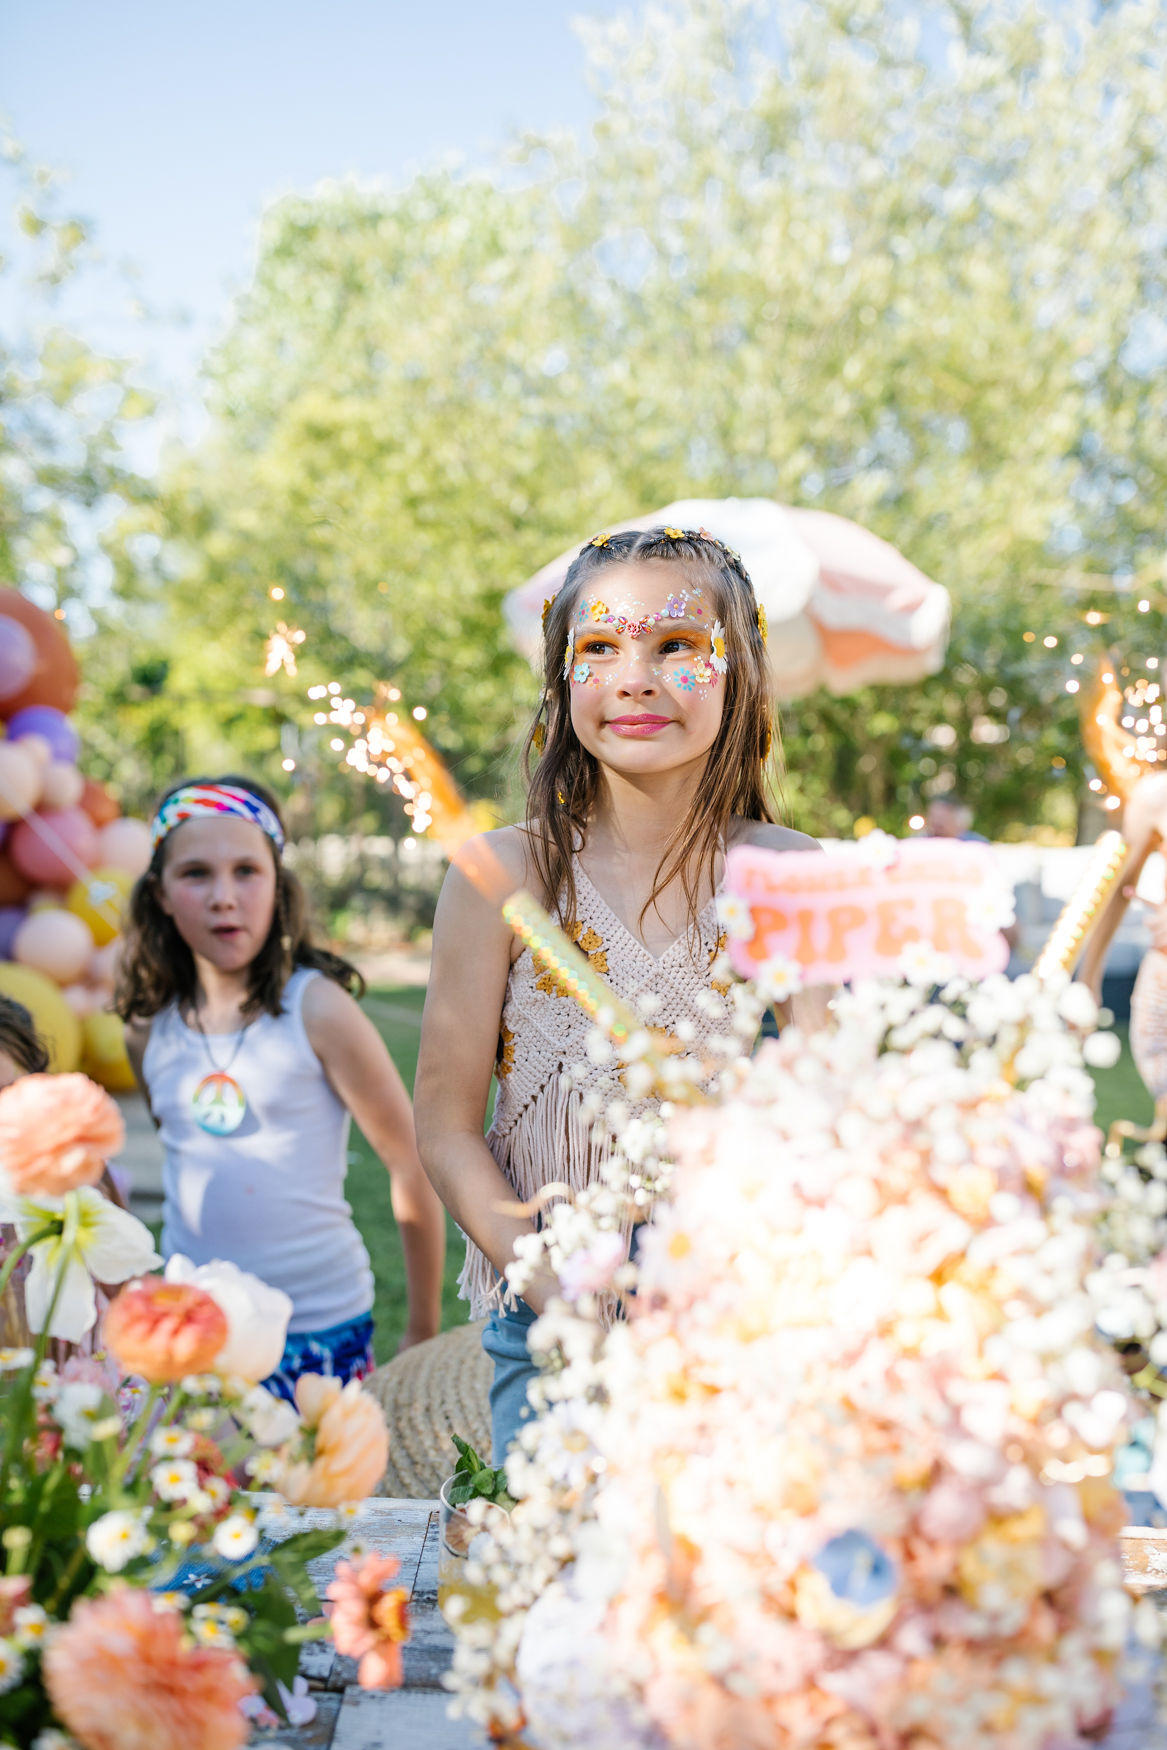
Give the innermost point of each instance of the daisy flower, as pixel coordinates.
(11, 1666)
(176, 1479)
(235, 1538)
(718, 657)
(778, 978)
(735, 916)
(171, 1442)
(117, 1538)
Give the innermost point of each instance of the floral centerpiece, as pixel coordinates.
(141, 1608)
(843, 1476)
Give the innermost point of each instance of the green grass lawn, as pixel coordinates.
(396, 1010)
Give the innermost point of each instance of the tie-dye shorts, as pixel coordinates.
(342, 1352)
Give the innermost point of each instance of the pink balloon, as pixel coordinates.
(56, 943)
(103, 963)
(83, 999)
(64, 786)
(47, 847)
(17, 656)
(20, 780)
(125, 844)
(38, 747)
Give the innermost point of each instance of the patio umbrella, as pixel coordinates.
(845, 609)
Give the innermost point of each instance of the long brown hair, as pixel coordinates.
(157, 967)
(739, 779)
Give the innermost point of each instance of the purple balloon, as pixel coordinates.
(11, 918)
(56, 728)
(17, 656)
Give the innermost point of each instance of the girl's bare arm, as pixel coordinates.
(459, 1042)
(365, 1078)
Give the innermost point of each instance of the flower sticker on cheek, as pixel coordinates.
(581, 674)
(717, 640)
(568, 656)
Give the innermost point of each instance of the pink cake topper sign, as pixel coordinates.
(852, 912)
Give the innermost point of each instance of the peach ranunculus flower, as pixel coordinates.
(56, 1134)
(163, 1330)
(370, 1621)
(123, 1675)
(342, 1453)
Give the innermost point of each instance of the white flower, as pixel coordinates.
(75, 1409)
(778, 978)
(735, 917)
(922, 965)
(1077, 1007)
(993, 908)
(717, 657)
(270, 1420)
(1101, 1050)
(30, 1624)
(171, 1442)
(15, 1360)
(257, 1315)
(52, 1739)
(11, 1666)
(45, 1384)
(878, 849)
(92, 1240)
(235, 1538)
(116, 1538)
(176, 1479)
(209, 1627)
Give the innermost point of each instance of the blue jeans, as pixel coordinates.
(505, 1341)
(343, 1352)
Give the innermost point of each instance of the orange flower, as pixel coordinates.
(369, 1622)
(347, 1450)
(121, 1675)
(56, 1133)
(163, 1330)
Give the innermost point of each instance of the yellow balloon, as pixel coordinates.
(100, 900)
(52, 1017)
(104, 1053)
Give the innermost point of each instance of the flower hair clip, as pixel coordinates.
(674, 534)
(763, 625)
(601, 540)
(547, 607)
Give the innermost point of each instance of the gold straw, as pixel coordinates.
(1080, 912)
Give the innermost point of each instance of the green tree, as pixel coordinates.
(63, 406)
(808, 252)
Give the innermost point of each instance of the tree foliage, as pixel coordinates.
(813, 252)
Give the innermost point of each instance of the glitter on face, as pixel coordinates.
(590, 663)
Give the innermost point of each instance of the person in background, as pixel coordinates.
(947, 817)
(253, 1052)
(22, 1051)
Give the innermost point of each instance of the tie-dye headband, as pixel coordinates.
(197, 799)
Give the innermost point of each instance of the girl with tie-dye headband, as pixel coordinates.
(253, 1054)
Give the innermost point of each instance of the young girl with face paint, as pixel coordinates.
(653, 736)
(253, 1054)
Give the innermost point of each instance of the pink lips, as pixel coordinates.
(640, 726)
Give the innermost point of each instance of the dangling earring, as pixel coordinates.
(769, 742)
(539, 737)
(763, 628)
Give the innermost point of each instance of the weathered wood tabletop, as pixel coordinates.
(414, 1717)
(351, 1718)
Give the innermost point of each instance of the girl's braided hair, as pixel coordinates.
(740, 772)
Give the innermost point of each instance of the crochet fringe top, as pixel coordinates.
(539, 1135)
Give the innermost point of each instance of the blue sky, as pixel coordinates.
(178, 121)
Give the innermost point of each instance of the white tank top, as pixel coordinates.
(270, 1195)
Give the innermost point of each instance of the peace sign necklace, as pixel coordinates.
(218, 1104)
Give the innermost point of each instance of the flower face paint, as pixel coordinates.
(699, 644)
(644, 662)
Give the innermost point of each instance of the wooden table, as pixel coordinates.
(414, 1716)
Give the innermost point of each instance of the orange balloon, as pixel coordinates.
(55, 679)
(98, 804)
